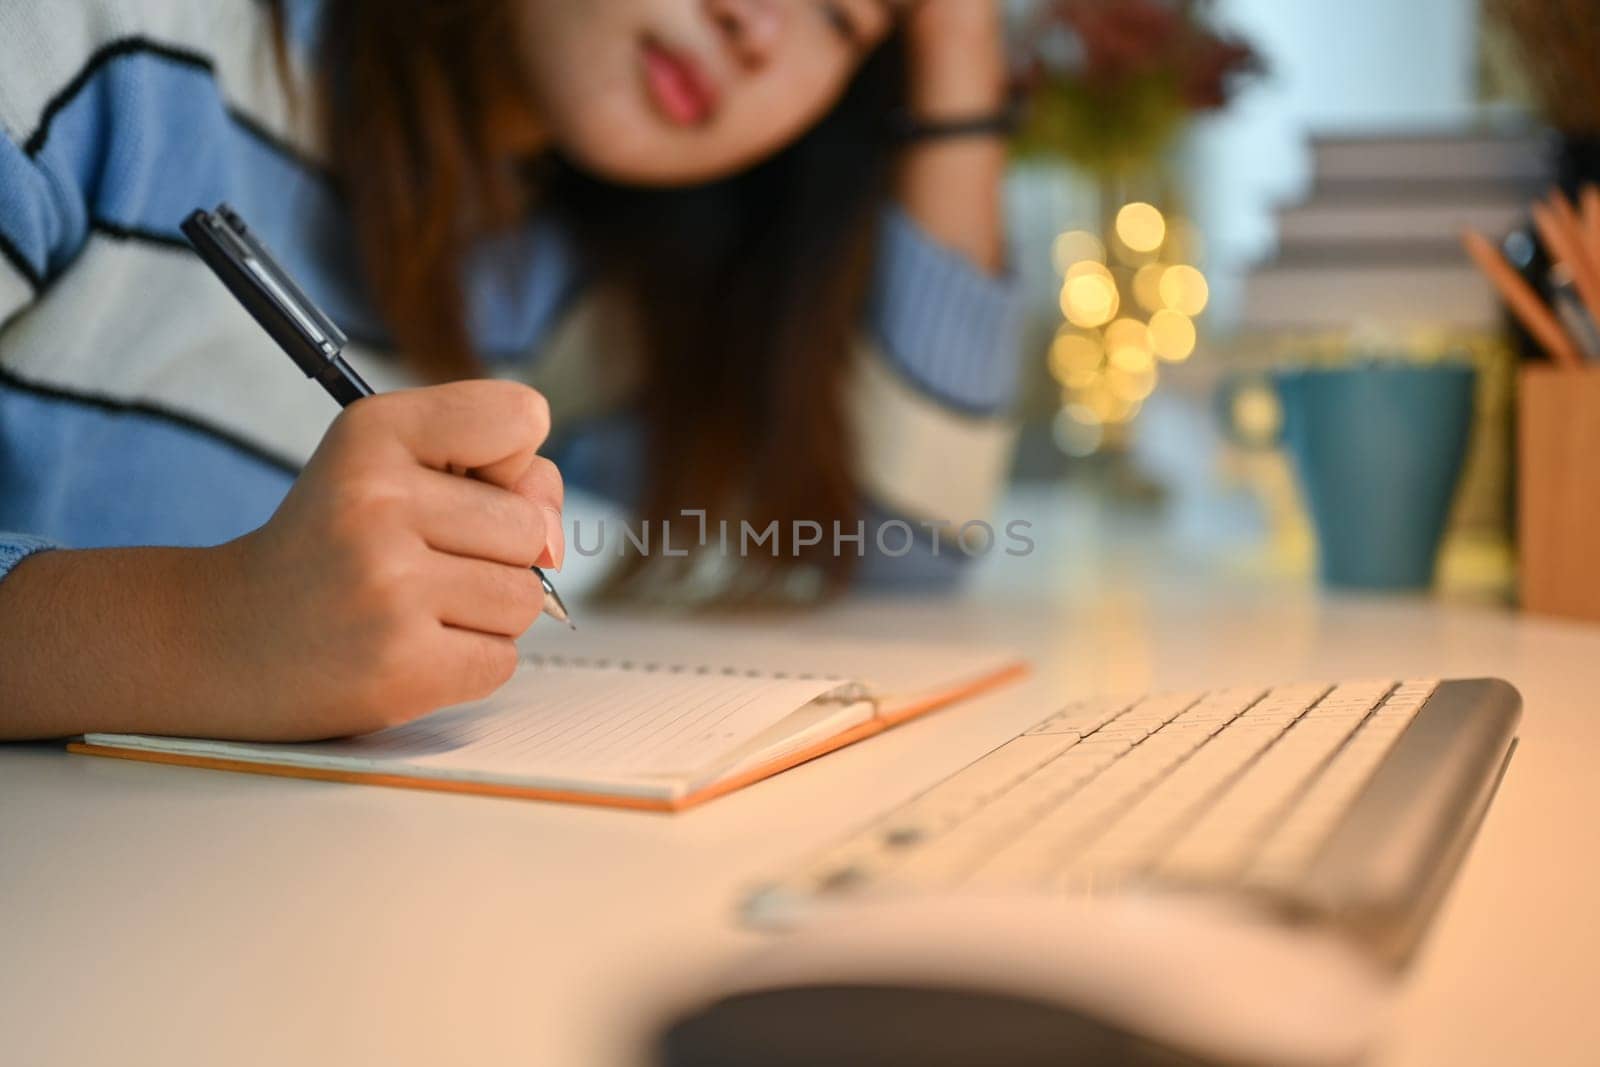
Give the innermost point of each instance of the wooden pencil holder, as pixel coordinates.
(1559, 491)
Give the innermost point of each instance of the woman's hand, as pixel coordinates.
(392, 585)
(385, 587)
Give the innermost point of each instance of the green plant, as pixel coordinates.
(1112, 82)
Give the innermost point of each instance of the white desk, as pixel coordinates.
(174, 917)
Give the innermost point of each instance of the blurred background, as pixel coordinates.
(1206, 193)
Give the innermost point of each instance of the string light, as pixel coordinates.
(1115, 409)
(1184, 289)
(1141, 227)
(1127, 333)
(1078, 431)
(1257, 415)
(1147, 286)
(1123, 324)
(1089, 268)
(1130, 385)
(1075, 359)
(1090, 300)
(1132, 360)
(1172, 335)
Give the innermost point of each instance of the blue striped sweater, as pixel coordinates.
(139, 406)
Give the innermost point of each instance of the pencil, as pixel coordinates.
(1572, 221)
(1523, 301)
(1591, 218)
(1566, 245)
(1577, 230)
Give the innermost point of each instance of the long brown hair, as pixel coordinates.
(746, 293)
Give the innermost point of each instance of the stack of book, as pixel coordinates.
(1378, 239)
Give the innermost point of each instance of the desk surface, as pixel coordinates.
(169, 916)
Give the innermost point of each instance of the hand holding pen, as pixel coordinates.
(391, 585)
(304, 332)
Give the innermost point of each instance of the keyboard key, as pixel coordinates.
(1081, 718)
(1223, 839)
(1293, 844)
(1222, 788)
(970, 788)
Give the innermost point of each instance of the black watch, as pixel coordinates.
(908, 128)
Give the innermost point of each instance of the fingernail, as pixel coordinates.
(555, 537)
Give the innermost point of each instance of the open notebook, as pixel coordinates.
(630, 716)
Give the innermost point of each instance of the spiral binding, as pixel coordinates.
(850, 693)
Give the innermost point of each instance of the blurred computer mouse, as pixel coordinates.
(1022, 981)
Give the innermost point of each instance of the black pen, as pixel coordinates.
(311, 338)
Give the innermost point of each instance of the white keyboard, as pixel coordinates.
(1247, 790)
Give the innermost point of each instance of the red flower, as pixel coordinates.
(1216, 65)
(1104, 45)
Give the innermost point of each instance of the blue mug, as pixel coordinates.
(1379, 449)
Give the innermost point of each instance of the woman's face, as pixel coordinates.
(674, 92)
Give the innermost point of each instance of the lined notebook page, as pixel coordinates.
(604, 720)
(556, 722)
(887, 667)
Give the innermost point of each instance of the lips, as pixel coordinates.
(677, 86)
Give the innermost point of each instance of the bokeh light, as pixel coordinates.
(1077, 246)
(1257, 414)
(1125, 317)
(1090, 300)
(1172, 335)
(1141, 227)
(1147, 286)
(1075, 359)
(1108, 407)
(1127, 333)
(1133, 386)
(1078, 431)
(1133, 359)
(1089, 268)
(1184, 289)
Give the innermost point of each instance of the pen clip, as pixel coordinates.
(322, 330)
(249, 271)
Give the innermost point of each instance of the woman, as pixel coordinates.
(680, 220)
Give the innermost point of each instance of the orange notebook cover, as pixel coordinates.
(630, 720)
